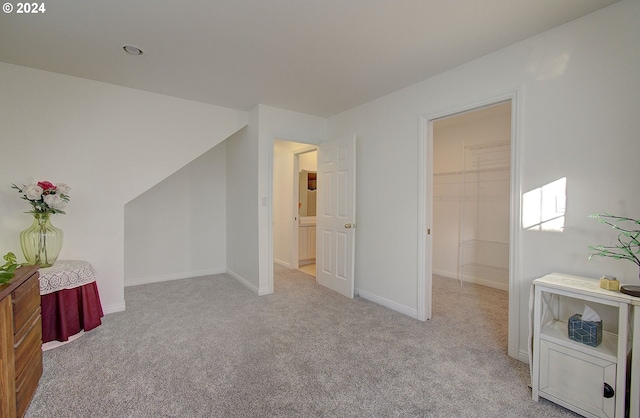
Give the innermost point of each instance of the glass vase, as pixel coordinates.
(41, 242)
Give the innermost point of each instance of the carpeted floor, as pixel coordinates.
(208, 347)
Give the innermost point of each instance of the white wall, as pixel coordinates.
(109, 143)
(580, 100)
(242, 204)
(309, 161)
(177, 229)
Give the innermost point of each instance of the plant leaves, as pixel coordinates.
(5, 277)
(7, 270)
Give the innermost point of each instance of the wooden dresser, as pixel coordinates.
(20, 341)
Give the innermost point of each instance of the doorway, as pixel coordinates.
(471, 196)
(294, 238)
(306, 168)
(508, 259)
(336, 188)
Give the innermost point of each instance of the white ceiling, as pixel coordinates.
(319, 57)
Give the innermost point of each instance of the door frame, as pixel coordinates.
(425, 209)
(266, 263)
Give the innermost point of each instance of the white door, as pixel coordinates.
(335, 218)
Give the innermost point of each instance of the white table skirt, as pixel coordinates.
(66, 274)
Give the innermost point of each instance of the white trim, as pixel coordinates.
(466, 278)
(303, 150)
(523, 356)
(425, 207)
(487, 283)
(174, 276)
(120, 307)
(515, 264)
(245, 283)
(294, 244)
(443, 273)
(387, 303)
(268, 263)
(282, 263)
(425, 218)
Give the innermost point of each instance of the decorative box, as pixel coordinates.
(586, 332)
(609, 283)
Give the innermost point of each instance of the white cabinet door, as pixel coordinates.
(577, 380)
(303, 243)
(312, 242)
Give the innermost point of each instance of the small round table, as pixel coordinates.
(70, 301)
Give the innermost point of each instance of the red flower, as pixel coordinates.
(46, 185)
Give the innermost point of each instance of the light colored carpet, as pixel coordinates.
(208, 347)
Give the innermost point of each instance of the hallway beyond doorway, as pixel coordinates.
(310, 269)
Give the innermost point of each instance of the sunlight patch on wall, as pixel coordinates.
(543, 208)
(550, 67)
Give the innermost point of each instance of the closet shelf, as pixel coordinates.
(470, 198)
(484, 166)
(490, 146)
(476, 171)
(484, 243)
(488, 268)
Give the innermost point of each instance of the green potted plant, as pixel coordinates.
(7, 269)
(627, 247)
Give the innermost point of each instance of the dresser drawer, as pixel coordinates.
(26, 346)
(20, 334)
(27, 382)
(26, 300)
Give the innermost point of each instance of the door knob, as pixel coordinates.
(348, 226)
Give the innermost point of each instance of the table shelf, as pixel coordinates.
(557, 332)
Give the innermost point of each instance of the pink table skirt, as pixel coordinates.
(69, 311)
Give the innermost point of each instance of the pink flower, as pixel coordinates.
(47, 185)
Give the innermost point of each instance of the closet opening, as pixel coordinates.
(471, 196)
(469, 209)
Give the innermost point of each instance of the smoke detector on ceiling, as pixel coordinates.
(132, 50)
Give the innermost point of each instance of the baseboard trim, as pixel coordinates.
(444, 273)
(282, 263)
(121, 307)
(244, 282)
(413, 313)
(487, 283)
(175, 276)
(471, 279)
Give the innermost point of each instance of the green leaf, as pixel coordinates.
(7, 270)
(5, 277)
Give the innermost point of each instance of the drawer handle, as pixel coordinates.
(608, 391)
